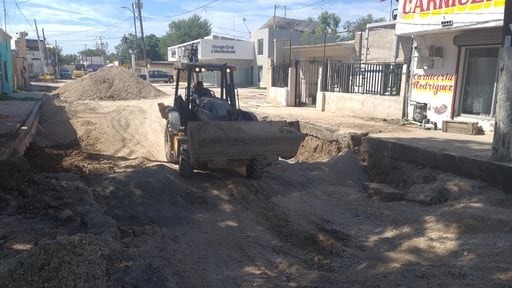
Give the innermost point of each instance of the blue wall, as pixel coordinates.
(6, 83)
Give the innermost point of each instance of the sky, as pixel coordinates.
(75, 25)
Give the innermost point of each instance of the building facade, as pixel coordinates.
(454, 57)
(220, 50)
(6, 82)
(270, 38)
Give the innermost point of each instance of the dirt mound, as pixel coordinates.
(109, 83)
(83, 260)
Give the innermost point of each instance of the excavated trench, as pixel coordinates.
(324, 144)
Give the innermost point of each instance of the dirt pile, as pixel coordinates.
(109, 83)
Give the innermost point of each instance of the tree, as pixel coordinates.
(182, 31)
(327, 25)
(359, 25)
(92, 52)
(126, 47)
(68, 59)
(152, 48)
(130, 44)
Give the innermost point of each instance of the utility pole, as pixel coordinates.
(134, 52)
(502, 142)
(40, 50)
(46, 55)
(139, 7)
(56, 55)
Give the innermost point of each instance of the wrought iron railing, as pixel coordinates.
(374, 79)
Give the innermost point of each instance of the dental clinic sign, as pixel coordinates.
(223, 49)
(427, 15)
(226, 49)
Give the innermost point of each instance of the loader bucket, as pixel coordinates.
(243, 140)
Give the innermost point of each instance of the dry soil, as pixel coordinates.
(94, 204)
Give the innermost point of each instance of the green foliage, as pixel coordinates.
(182, 31)
(126, 46)
(326, 29)
(359, 25)
(152, 48)
(92, 52)
(68, 59)
(130, 43)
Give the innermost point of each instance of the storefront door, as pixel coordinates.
(479, 86)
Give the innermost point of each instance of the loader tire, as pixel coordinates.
(170, 156)
(185, 167)
(254, 169)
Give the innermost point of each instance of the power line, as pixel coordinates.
(193, 10)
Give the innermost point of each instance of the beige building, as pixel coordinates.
(454, 63)
(363, 77)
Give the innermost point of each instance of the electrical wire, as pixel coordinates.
(193, 10)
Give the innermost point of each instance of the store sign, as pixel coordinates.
(424, 15)
(424, 8)
(223, 49)
(226, 49)
(435, 89)
(434, 84)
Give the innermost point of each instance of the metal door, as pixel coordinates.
(306, 82)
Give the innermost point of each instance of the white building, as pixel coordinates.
(277, 32)
(220, 50)
(251, 58)
(454, 58)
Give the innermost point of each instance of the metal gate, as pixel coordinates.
(306, 82)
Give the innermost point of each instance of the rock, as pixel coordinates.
(382, 192)
(428, 194)
(67, 216)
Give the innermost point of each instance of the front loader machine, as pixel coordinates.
(210, 132)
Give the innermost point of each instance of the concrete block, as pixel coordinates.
(428, 194)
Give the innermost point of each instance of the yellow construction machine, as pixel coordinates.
(207, 130)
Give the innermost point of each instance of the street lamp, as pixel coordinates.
(135, 29)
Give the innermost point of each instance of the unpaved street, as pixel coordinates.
(96, 205)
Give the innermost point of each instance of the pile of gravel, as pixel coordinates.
(109, 83)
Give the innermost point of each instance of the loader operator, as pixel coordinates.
(200, 91)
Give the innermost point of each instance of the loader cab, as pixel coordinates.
(192, 73)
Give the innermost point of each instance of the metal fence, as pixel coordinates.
(374, 79)
(306, 84)
(280, 75)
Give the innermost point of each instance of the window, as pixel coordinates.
(260, 46)
(260, 73)
(478, 91)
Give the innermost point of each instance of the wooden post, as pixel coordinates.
(502, 142)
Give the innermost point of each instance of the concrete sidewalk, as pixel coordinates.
(465, 155)
(19, 118)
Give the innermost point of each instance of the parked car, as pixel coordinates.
(46, 77)
(158, 76)
(79, 71)
(65, 74)
(94, 67)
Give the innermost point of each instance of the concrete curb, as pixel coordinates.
(494, 173)
(28, 129)
(15, 143)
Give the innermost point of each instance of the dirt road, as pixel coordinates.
(99, 207)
